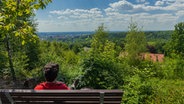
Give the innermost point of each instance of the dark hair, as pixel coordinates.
(50, 71)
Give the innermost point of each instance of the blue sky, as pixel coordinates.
(87, 15)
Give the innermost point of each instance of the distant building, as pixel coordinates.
(152, 57)
(147, 56)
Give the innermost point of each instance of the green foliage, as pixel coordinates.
(135, 44)
(99, 39)
(68, 73)
(137, 87)
(101, 70)
(176, 45)
(145, 86)
(20, 63)
(3, 60)
(173, 68)
(16, 21)
(158, 35)
(131, 90)
(167, 92)
(54, 52)
(100, 74)
(32, 51)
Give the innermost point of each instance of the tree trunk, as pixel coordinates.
(8, 49)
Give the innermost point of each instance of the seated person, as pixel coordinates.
(50, 71)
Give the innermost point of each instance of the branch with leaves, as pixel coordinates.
(15, 21)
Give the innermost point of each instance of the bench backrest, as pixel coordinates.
(19, 96)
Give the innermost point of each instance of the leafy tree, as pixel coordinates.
(15, 22)
(176, 44)
(33, 52)
(135, 43)
(100, 68)
(99, 39)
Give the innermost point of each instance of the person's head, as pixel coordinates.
(50, 71)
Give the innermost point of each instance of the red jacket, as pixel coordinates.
(51, 86)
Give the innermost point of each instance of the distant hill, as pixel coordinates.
(113, 35)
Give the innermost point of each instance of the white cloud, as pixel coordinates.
(73, 20)
(146, 3)
(180, 13)
(160, 6)
(159, 16)
(122, 5)
(175, 6)
(78, 13)
(165, 2)
(169, 1)
(127, 7)
(159, 3)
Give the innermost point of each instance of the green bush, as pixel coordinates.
(152, 91)
(101, 75)
(173, 68)
(167, 92)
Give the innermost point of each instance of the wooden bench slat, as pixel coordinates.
(54, 94)
(57, 99)
(70, 102)
(84, 98)
(69, 94)
(59, 91)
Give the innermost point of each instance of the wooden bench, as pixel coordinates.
(24, 96)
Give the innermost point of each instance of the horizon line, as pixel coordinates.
(94, 31)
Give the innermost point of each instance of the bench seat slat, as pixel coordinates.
(79, 102)
(56, 99)
(54, 94)
(76, 98)
(63, 94)
(59, 91)
(70, 102)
